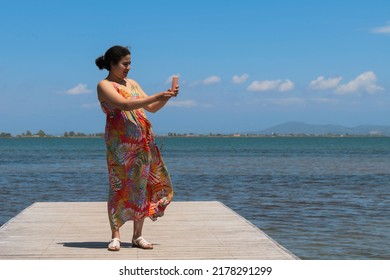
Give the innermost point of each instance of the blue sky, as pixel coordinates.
(243, 65)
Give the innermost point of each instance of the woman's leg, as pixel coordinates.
(138, 240)
(137, 230)
(115, 233)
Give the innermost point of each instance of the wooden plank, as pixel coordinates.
(189, 230)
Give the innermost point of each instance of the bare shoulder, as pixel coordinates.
(102, 83)
(104, 86)
(104, 89)
(132, 82)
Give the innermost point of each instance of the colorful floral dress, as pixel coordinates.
(140, 185)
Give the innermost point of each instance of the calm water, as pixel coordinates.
(322, 198)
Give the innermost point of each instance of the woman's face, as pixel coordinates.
(122, 68)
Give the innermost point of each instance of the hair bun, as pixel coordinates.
(100, 62)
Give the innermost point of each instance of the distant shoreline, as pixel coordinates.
(289, 129)
(213, 136)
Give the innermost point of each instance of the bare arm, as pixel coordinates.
(157, 105)
(106, 92)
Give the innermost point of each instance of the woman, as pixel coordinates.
(140, 185)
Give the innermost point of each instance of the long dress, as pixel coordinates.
(140, 185)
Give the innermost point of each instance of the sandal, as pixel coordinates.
(140, 242)
(115, 244)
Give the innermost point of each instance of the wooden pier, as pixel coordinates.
(206, 230)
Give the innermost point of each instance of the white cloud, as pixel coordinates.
(211, 80)
(286, 86)
(267, 85)
(263, 85)
(322, 83)
(182, 103)
(79, 89)
(365, 82)
(382, 29)
(208, 81)
(240, 79)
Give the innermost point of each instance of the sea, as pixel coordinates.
(322, 198)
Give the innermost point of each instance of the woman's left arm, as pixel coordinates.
(155, 106)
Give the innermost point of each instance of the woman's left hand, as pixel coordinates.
(176, 90)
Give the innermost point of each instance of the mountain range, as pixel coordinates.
(313, 129)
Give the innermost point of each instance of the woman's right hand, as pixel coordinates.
(165, 95)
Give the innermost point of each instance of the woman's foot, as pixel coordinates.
(115, 244)
(140, 242)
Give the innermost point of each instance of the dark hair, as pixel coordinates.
(112, 56)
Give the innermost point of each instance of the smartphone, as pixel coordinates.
(175, 82)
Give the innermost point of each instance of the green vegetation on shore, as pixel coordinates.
(289, 129)
(72, 134)
(42, 134)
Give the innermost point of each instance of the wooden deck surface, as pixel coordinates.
(188, 231)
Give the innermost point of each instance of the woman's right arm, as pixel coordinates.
(107, 93)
